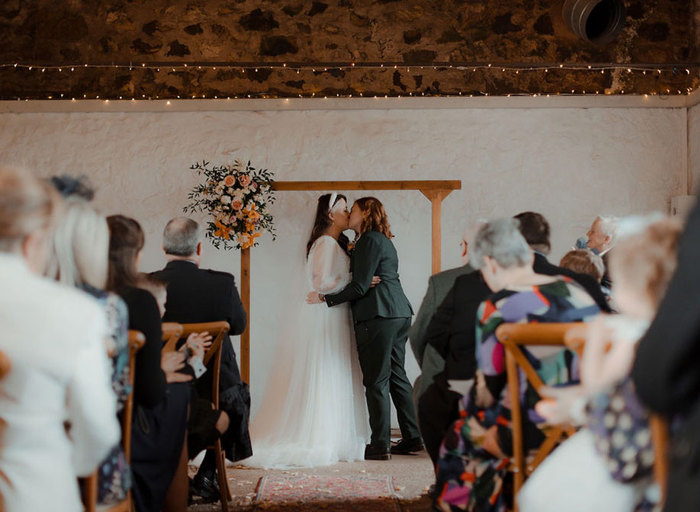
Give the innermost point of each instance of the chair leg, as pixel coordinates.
(225, 495)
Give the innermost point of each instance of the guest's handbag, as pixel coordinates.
(620, 425)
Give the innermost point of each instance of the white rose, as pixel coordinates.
(226, 199)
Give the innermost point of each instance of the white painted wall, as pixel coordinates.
(568, 163)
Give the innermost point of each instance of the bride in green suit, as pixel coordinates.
(381, 318)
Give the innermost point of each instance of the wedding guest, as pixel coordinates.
(601, 239)
(474, 453)
(205, 424)
(451, 336)
(158, 448)
(607, 465)
(81, 249)
(202, 295)
(584, 262)
(666, 374)
(535, 228)
(57, 406)
(430, 362)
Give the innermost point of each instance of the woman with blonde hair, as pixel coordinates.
(53, 336)
(382, 317)
(81, 254)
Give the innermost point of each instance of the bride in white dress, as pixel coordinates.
(313, 412)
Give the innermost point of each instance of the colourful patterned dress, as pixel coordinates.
(469, 477)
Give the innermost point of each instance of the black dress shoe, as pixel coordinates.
(375, 452)
(408, 446)
(206, 487)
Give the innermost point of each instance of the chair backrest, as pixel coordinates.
(172, 331)
(514, 337)
(218, 331)
(90, 492)
(660, 441)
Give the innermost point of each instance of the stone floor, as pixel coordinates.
(412, 476)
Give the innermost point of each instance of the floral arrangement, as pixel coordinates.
(237, 198)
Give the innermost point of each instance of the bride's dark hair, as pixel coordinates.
(322, 222)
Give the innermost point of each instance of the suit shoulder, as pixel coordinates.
(219, 274)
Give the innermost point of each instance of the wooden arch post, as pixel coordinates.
(434, 190)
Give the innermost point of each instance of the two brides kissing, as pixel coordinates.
(351, 333)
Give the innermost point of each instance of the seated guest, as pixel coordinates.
(666, 374)
(585, 262)
(81, 247)
(601, 238)
(199, 295)
(607, 465)
(205, 424)
(450, 336)
(535, 228)
(474, 453)
(439, 284)
(57, 407)
(161, 395)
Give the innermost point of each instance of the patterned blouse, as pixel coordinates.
(560, 301)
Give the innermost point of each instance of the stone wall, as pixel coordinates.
(418, 35)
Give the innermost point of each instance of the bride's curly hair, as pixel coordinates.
(322, 222)
(375, 216)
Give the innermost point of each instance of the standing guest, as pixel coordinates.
(666, 373)
(451, 337)
(474, 454)
(201, 295)
(161, 395)
(601, 239)
(430, 362)
(81, 247)
(535, 228)
(57, 407)
(585, 262)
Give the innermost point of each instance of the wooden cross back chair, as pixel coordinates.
(172, 332)
(136, 342)
(218, 331)
(514, 337)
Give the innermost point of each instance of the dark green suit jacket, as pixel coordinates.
(374, 255)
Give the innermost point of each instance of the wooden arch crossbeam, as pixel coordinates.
(434, 190)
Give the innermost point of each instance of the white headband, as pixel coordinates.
(334, 196)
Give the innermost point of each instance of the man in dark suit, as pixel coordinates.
(535, 229)
(666, 374)
(601, 238)
(431, 362)
(451, 333)
(382, 317)
(199, 295)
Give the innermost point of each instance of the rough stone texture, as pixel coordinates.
(694, 149)
(378, 31)
(568, 163)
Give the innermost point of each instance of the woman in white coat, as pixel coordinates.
(57, 407)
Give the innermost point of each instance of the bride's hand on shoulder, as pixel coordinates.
(314, 298)
(375, 281)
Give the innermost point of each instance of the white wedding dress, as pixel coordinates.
(313, 412)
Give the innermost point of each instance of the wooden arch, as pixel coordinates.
(435, 191)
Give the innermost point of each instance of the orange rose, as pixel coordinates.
(230, 181)
(237, 204)
(244, 180)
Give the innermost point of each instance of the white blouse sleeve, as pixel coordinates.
(91, 402)
(328, 274)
